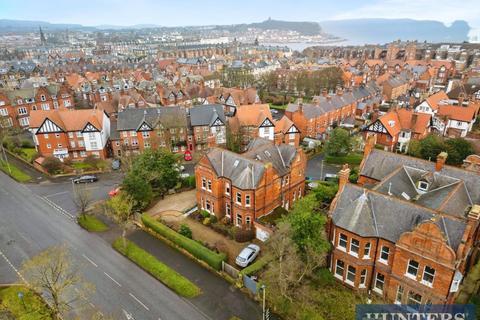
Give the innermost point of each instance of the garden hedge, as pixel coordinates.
(196, 249)
(160, 271)
(255, 267)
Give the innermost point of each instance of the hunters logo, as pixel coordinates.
(415, 312)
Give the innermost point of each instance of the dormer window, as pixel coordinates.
(423, 185)
(391, 123)
(42, 97)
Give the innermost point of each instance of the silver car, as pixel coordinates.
(247, 255)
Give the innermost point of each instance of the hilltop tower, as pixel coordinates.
(43, 40)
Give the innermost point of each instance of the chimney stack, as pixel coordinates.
(441, 159)
(369, 145)
(343, 176)
(339, 91)
(324, 92)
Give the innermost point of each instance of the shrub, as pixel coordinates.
(243, 235)
(67, 162)
(160, 271)
(197, 250)
(221, 228)
(213, 219)
(92, 161)
(52, 165)
(255, 267)
(206, 221)
(27, 144)
(185, 231)
(189, 182)
(205, 214)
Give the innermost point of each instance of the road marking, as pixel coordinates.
(56, 194)
(140, 302)
(128, 315)
(112, 279)
(13, 267)
(89, 260)
(91, 305)
(57, 207)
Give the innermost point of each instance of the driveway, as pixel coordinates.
(317, 168)
(220, 300)
(180, 202)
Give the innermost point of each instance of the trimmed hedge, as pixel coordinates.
(160, 271)
(353, 159)
(196, 249)
(255, 267)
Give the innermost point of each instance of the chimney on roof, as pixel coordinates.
(324, 92)
(369, 145)
(339, 91)
(474, 213)
(343, 176)
(441, 159)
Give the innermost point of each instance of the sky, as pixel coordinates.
(208, 12)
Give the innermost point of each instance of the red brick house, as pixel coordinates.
(395, 129)
(245, 187)
(17, 104)
(406, 232)
(286, 132)
(72, 134)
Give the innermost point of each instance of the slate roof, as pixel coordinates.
(379, 164)
(168, 117)
(246, 170)
(372, 214)
(205, 115)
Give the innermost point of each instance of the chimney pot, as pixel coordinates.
(369, 145)
(441, 159)
(343, 176)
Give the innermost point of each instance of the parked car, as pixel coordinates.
(247, 255)
(85, 179)
(114, 192)
(274, 111)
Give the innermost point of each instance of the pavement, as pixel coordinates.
(317, 168)
(180, 202)
(31, 224)
(219, 299)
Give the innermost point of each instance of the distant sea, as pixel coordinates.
(300, 46)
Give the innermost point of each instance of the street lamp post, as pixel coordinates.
(263, 287)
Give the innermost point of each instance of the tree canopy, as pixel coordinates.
(339, 143)
(429, 148)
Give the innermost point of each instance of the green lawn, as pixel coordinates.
(278, 107)
(352, 159)
(81, 166)
(91, 223)
(160, 271)
(32, 308)
(14, 172)
(28, 154)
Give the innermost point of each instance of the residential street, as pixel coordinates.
(317, 171)
(30, 225)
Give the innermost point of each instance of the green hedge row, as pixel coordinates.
(165, 274)
(196, 249)
(255, 267)
(353, 159)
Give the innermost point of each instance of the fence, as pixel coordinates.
(230, 270)
(250, 284)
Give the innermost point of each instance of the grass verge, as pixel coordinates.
(160, 271)
(91, 223)
(14, 172)
(196, 249)
(28, 154)
(32, 307)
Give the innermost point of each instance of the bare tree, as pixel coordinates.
(121, 209)
(82, 198)
(54, 275)
(5, 131)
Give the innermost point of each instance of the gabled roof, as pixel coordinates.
(252, 115)
(434, 100)
(168, 117)
(283, 125)
(68, 120)
(205, 115)
(459, 113)
(372, 214)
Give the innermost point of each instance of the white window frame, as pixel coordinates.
(352, 252)
(339, 246)
(204, 184)
(349, 273)
(363, 278)
(375, 288)
(247, 200)
(366, 250)
(400, 292)
(380, 258)
(407, 272)
(426, 282)
(227, 188)
(237, 196)
(335, 273)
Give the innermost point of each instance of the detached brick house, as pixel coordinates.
(208, 125)
(407, 231)
(245, 187)
(72, 134)
(395, 129)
